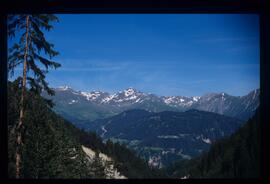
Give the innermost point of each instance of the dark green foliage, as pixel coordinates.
(49, 150)
(89, 139)
(52, 145)
(37, 47)
(236, 157)
(97, 167)
(142, 131)
(125, 160)
(141, 124)
(128, 163)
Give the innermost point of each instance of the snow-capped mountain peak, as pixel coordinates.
(95, 95)
(129, 95)
(180, 100)
(221, 103)
(130, 91)
(91, 95)
(64, 88)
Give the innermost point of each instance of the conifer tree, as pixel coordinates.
(98, 167)
(30, 47)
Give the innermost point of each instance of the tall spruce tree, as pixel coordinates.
(30, 47)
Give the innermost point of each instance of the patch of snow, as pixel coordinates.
(180, 101)
(137, 100)
(189, 103)
(64, 88)
(222, 97)
(141, 101)
(109, 98)
(86, 94)
(168, 100)
(132, 97)
(120, 100)
(196, 98)
(91, 95)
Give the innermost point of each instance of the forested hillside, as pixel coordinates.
(53, 146)
(236, 157)
(167, 136)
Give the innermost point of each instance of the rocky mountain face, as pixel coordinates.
(164, 137)
(240, 107)
(82, 107)
(106, 162)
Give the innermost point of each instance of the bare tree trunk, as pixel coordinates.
(19, 127)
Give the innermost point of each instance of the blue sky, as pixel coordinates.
(165, 54)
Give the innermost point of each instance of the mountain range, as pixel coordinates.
(81, 107)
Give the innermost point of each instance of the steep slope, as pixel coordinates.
(109, 168)
(50, 151)
(240, 107)
(235, 157)
(166, 135)
(54, 148)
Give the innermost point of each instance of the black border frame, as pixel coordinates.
(148, 6)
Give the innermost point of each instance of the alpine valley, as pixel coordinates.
(161, 129)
